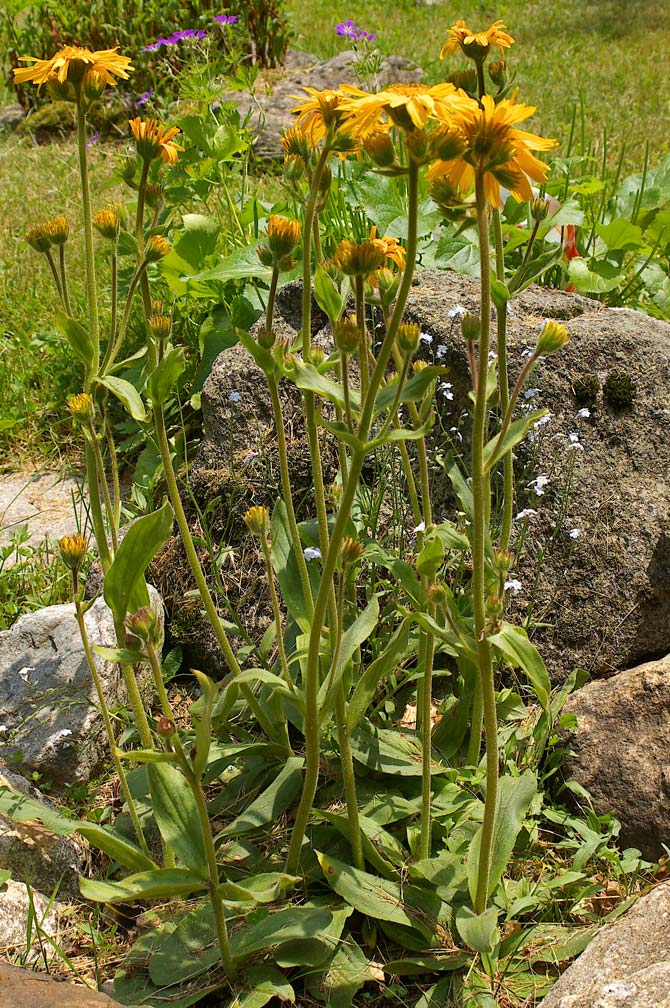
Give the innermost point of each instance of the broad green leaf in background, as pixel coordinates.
(478, 931)
(165, 376)
(163, 883)
(272, 803)
(77, 337)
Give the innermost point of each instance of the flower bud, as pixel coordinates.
(360, 259)
(157, 248)
(156, 307)
(464, 79)
(59, 230)
(498, 72)
(165, 726)
(154, 195)
(315, 355)
(436, 593)
(471, 327)
(552, 338)
(38, 238)
(417, 144)
(144, 625)
(61, 90)
(160, 326)
(419, 365)
(351, 551)
(379, 148)
(108, 224)
(128, 170)
(73, 551)
(265, 339)
(92, 85)
(257, 520)
(502, 561)
(539, 208)
(294, 167)
(283, 235)
(408, 337)
(295, 145)
(81, 407)
(447, 143)
(494, 607)
(326, 180)
(347, 336)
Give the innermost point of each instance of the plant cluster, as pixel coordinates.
(418, 850)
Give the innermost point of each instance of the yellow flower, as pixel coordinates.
(81, 407)
(390, 247)
(408, 106)
(157, 248)
(283, 235)
(257, 520)
(476, 44)
(73, 550)
(58, 230)
(70, 64)
(318, 114)
(497, 150)
(153, 141)
(362, 259)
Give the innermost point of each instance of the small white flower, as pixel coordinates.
(530, 393)
(24, 673)
(60, 735)
(455, 430)
(575, 533)
(574, 446)
(528, 352)
(426, 337)
(446, 389)
(249, 457)
(526, 513)
(4, 729)
(513, 585)
(234, 396)
(458, 311)
(492, 356)
(421, 527)
(543, 421)
(584, 413)
(440, 352)
(311, 553)
(539, 485)
(573, 438)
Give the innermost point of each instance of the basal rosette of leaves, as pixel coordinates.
(296, 836)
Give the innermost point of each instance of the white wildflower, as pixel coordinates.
(584, 413)
(539, 484)
(513, 585)
(530, 393)
(311, 553)
(446, 389)
(458, 311)
(421, 527)
(575, 533)
(234, 396)
(526, 513)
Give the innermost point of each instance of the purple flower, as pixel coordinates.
(225, 19)
(94, 139)
(177, 36)
(156, 45)
(348, 29)
(144, 98)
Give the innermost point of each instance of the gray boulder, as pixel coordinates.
(626, 966)
(268, 115)
(46, 862)
(49, 718)
(22, 916)
(619, 751)
(11, 116)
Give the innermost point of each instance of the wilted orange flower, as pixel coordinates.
(406, 105)
(497, 150)
(476, 44)
(71, 63)
(153, 141)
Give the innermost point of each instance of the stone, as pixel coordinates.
(41, 501)
(619, 751)
(22, 988)
(49, 719)
(21, 913)
(626, 966)
(267, 115)
(46, 862)
(11, 116)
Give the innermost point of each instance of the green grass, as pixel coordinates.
(618, 62)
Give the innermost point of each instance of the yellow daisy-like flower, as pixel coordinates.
(318, 114)
(391, 248)
(153, 141)
(499, 151)
(476, 44)
(408, 106)
(70, 64)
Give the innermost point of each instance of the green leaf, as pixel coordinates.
(164, 378)
(263, 888)
(401, 434)
(198, 239)
(515, 433)
(368, 682)
(513, 644)
(420, 964)
(600, 279)
(530, 271)
(431, 555)
(122, 655)
(327, 295)
(266, 983)
(176, 813)
(127, 395)
(380, 848)
(146, 756)
(381, 899)
(242, 264)
(478, 931)
(499, 293)
(388, 751)
(349, 969)
(265, 929)
(163, 883)
(203, 723)
(352, 638)
(621, 235)
(515, 796)
(459, 253)
(20, 808)
(310, 379)
(285, 566)
(413, 389)
(125, 589)
(77, 337)
(272, 803)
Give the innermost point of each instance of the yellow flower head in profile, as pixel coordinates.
(70, 64)
(408, 106)
(152, 141)
(476, 45)
(390, 247)
(498, 151)
(321, 112)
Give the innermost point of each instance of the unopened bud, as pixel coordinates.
(92, 85)
(465, 79)
(160, 326)
(144, 625)
(294, 167)
(502, 561)
(39, 238)
(351, 551)
(154, 195)
(408, 337)
(498, 72)
(165, 726)
(265, 339)
(157, 248)
(379, 148)
(553, 337)
(108, 224)
(283, 235)
(447, 143)
(73, 550)
(257, 520)
(59, 230)
(81, 407)
(417, 144)
(471, 327)
(347, 336)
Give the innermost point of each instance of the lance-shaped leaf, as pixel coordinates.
(203, 723)
(478, 931)
(163, 883)
(272, 803)
(369, 680)
(352, 638)
(327, 295)
(513, 644)
(125, 588)
(517, 431)
(310, 379)
(401, 434)
(176, 813)
(412, 390)
(77, 337)
(164, 378)
(530, 271)
(127, 395)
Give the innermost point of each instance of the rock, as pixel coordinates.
(41, 501)
(22, 988)
(11, 116)
(19, 920)
(268, 115)
(49, 720)
(626, 966)
(619, 751)
(48, 863)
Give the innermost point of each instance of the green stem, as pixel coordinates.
(63, 279)
(54, 273)
(114, 466)
(362, 335)
(348, 777)
(276, 612)
(95, 505)
(100, 467)
(91, 287)
(123, 782)
(479, 533)
(310, 211)
(426, 743)
(503, 383)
